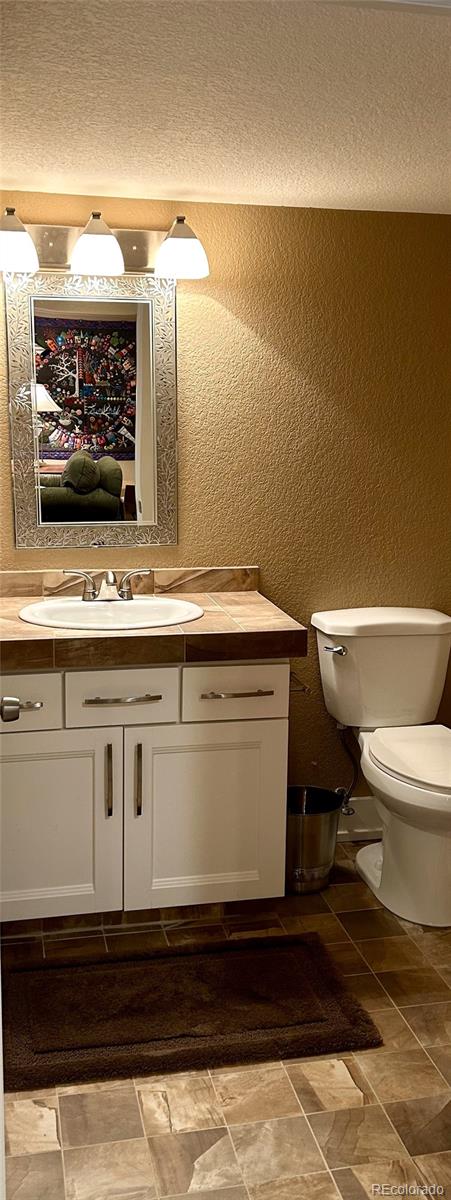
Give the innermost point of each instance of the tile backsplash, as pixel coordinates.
(160, 580)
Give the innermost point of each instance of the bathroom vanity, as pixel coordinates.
(159, 781)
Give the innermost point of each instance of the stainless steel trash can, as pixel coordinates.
(312, 823)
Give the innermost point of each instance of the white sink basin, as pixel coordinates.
(143, 612)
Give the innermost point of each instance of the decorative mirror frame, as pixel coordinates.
(20, 291)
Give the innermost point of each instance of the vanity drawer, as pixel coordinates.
(146, 696)
(45, 690)
(235, 693)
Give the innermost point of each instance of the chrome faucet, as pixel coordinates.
(108, 589)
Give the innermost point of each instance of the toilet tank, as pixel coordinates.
(393, 668)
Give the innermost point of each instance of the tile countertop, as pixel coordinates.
(235, 626)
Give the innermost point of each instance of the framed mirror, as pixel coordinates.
(92, 378)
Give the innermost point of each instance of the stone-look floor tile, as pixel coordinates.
(446, 975)
(303, 1187)
(234, 1193)
(424, 1125)
(402, 1075)
(90, 1117)
(195, 933)
(31, 1126)
(420, 985)
(242, 1067)
(324, 924)
(137, 918)
(347, 958)
(358, 1135)
(275, 1149)
(437, 948)
(42, 1093)
(144, 1080)
(257, 1095)
(236, 929)
(119, 945)
(358, 1183)
(416, 931)
(28, 953)
(179, 1104)
(343, 871)
(116, 1170)
(430, 1022)
(72, 924)
(300, 906)
(370, 923)
(441, 1055)
(193, 912)
(74, 949)
(108, 1085)
(35, 1177)
(369, 992)
(391, 954)
(396, 1033)
(346, 897)
(20, 929)
(336, 1083)
(435, 1168)
(190, 1162)
(256, 908)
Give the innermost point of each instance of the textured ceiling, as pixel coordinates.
(294, 102)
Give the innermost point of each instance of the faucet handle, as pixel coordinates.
(125, 590)
(89, 591)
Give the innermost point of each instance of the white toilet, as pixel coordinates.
(383, 672)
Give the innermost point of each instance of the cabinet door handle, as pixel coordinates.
(235, 695)
(11, 707)
(103, 702)
(139, 780)
(109, 780)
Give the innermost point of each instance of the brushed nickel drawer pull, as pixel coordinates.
(11, 707)
(109, 780)
(101, 701)
(235, 695)
(139, 780)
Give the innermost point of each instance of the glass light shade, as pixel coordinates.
(181, 255)
(17, 249)
(42, 400)
(97, 250)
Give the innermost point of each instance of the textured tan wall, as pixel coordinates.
(313, 415)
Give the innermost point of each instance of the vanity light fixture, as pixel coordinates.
(17, 249)
(181, 255)
(97, 250)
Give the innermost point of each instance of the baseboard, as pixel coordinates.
(364, 825)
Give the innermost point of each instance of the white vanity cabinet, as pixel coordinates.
(129, 799)
(204, 813)
(61, 805)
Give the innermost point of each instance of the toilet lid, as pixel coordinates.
(420, 754)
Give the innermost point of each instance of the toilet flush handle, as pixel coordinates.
(341, 650)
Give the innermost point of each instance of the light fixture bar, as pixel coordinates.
(54, 244)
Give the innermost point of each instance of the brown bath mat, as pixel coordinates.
(177, 1010)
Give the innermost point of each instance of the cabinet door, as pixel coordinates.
(205, 812)
(61, 815)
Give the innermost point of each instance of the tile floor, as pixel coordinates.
(304, 1129)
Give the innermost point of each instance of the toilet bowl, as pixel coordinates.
(409, 772)
(383, 672)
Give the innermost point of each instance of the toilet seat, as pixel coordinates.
(419, 755)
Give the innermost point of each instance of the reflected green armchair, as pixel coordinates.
(86, 491)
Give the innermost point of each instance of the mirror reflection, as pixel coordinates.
(94, 411)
